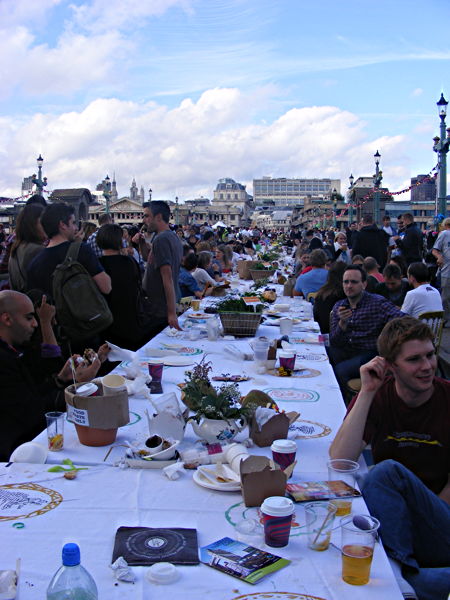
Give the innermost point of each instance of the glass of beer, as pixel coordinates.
(340, 469)
(359, 533)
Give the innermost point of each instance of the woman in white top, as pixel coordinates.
(200, 274)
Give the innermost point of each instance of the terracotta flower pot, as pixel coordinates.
(91, 436)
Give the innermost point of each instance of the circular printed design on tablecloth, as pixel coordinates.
(185, 350)
(24, 500)
(292, 395)
(238, 512)
(298, 373)
(304, 429)
(277, 596)
(137, 418)
(311, 356)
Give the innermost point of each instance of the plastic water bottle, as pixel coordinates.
(71, 581)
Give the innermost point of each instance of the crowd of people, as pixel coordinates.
(369, 285)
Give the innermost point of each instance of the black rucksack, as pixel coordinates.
(81, 310)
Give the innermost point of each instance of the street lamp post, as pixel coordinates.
(107, 193)
(176, 211)
(377, 178)
(352, 196)
(441, 146)
(38, 181)
(150, 192)
(334, 198)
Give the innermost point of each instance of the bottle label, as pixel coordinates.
(214, 448)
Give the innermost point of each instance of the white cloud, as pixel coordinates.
(185, 150)
(77, 61)
(417, 92)
(14, 12)
(104, 15)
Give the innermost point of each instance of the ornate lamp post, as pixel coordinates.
(441, 146)
(176, 211)
(377, 178)
(38, 181)
(107, 193)
(150, 192)
(351, 194)
(334, 199)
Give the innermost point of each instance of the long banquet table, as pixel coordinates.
(89, 509)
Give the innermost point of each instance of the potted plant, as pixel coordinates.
(219, 416)
(261, 271)
(237, 317)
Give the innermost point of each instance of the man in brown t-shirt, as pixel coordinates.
(406, 419)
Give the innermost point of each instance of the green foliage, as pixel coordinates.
(210, 402)
(236, 304)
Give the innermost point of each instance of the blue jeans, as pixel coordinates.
(415, 527)
(346, 362)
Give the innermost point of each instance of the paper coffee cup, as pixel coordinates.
(277, 514)
(283, 453)
(286, 326)
(87, 389)
(287, 359)
(113, 383)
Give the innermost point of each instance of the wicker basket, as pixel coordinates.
(258, 274)
(240, 324)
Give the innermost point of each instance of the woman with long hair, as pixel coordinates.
(29, 242)
(224, 258)
(328, 295)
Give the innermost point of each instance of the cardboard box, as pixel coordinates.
(244, 266)
(259, 480)
(288, 288)
(100, 412)
(275, 428)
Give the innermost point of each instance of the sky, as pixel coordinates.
(181, 93)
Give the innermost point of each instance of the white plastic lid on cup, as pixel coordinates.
(163, 572)
(87, 389)
(284, 446)
(277, 506)
(286, 353)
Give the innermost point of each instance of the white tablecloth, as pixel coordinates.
(105, 497)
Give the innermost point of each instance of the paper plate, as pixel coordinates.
(221, 487)
(199, 316)
(30, 452)
(177, 361)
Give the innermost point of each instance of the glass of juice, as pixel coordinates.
(340, 469)
(359, 533)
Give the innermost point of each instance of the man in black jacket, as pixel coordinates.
(27, 387)
(411, 243)
(371, 241)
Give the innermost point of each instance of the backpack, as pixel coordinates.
(81, 309)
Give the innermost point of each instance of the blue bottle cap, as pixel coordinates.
(70, 555)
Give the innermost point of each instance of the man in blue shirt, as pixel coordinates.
(314, 279)
(186, 281)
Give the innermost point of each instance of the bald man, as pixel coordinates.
(29, 386)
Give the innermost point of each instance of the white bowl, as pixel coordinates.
(30, 452)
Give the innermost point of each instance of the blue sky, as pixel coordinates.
(178, 93)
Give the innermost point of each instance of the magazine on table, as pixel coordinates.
(241, 560)
(308, 491)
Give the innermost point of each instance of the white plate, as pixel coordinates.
(199, 316)
(221, 487)
(178, 361)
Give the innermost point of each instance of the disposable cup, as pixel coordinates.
(286, 326)
(283, 452)
(277, 514)
(234, 450)
(319, 524)
(87, 389)
(340, 469)
(155, 370)
(287, 359)
(113, 383)
(55, 430)
(195, 304)
(357, 548)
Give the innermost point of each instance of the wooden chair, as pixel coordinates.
(435, 321)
